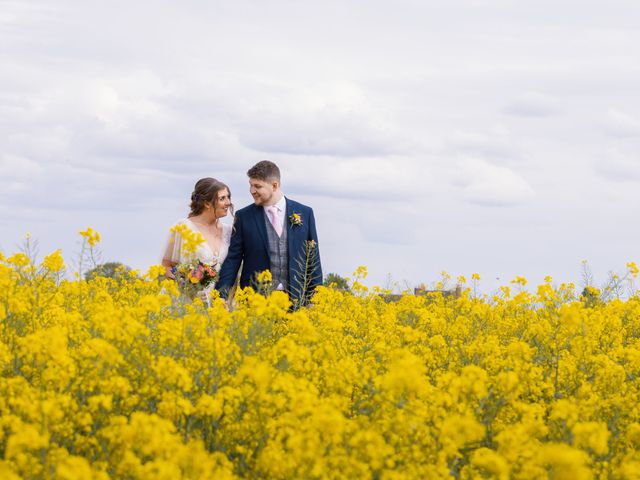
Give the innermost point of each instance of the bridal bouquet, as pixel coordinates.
(195, 277)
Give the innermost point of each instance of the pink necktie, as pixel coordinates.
(273, 218)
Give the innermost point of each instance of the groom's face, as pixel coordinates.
(262, 191)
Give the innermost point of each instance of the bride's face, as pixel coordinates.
(222, 203)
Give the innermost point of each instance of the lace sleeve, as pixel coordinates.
(173, 247)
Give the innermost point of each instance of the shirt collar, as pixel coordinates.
(281, 205)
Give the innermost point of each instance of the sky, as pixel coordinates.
(497, 137)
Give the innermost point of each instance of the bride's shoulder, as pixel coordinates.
(182, 221)
(178, 223)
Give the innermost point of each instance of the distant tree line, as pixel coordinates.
(114, 270)
(118, 270)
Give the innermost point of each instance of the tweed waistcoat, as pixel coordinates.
(278, 255)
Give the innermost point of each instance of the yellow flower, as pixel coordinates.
(565, 463)
(519, 281)
(264, 277)
(209, 406)
(190, 240)
(295, 219)
(593, 436)
(19, 260)
(74, 468)
(154, 271)
(492, 462)
(629, 470)
(54, 262)
(633, 435)
(7, 472)
(26, 437)
(91, 236)
(361, 272)
(458, 430)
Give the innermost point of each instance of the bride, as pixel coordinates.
(210, 201)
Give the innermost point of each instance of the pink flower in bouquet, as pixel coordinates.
(196, 274)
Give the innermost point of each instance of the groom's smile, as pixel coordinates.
(263, 193)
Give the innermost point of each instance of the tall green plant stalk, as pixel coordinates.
(307, 263)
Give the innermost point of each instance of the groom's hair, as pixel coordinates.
(265, 171)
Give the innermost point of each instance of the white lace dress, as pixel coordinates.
(204, 252)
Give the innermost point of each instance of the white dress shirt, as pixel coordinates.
(281, 210)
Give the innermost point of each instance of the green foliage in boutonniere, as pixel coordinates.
(295, 219)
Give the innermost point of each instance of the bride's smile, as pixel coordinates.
(210, 201)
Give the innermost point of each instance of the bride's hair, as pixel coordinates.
(206, 190)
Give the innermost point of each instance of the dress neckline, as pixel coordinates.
(216, 253)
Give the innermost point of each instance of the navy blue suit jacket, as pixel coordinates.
(250, 247)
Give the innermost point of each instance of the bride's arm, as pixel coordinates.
(171, 255)
(232, 263)
(168, 268)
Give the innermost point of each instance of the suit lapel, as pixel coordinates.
(261, 227)
(287, 225)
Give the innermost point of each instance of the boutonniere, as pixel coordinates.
(295, 219)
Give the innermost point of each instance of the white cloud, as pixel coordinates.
(619, 165)
(335, 119)
(16, 168)
(621, 124)
(489, 185)
(532, 104)
(375, 178)
(496, 145)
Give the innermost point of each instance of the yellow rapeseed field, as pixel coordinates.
(121, 378)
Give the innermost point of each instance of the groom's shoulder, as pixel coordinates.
(249, 208)
(297, 205)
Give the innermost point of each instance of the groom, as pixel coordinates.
(275, 234)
